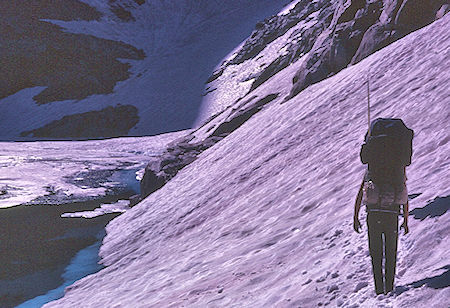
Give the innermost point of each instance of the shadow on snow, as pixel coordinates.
(436, 282)
(438, 207)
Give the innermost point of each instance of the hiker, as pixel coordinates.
(387, 151)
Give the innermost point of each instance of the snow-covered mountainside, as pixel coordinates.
(98, 68)
(326, 36)
(262, 218)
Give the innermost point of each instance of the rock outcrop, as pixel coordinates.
(358, 29)
(34, 52)
(302, 17)
(330, 35)
(108, 122)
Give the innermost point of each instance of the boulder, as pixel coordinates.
(153, 179)
(375, 38)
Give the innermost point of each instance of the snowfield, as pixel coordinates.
(67, 171)
(263, 218)
(182, 42)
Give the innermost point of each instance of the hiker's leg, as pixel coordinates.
(391, 236)
(376, 250)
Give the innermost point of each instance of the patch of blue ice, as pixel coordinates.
(83, 264)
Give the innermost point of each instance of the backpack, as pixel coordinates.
(387, 150)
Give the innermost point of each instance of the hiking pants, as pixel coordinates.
(383, 234)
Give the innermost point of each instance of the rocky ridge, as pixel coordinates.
(35, 52)
(327, 36)
(358, 29)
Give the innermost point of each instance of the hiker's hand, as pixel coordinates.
(356, 225)
(404, 226)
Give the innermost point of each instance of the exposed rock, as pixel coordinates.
(300, 42)
(122, 13)
(241, 115)
(121, 8)
(414, 14)
(442, 11)
(272, 28)
(108, 122)
(279, 64)
(335, 47)
(376, 37)
(215, 75)
(178, 155)
(71, 66)
(359, 28)
(134, 199)
(153, 179)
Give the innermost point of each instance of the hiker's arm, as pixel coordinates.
(356, 223)
(405, 217)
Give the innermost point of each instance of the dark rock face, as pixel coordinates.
(108, 122)
(184, 151)
(241, 114)
(159, 171)
(359, 28)
(37, 53)
(301, 40)
(272, 28)
(442, 11)
(122, 13)
(121, 8)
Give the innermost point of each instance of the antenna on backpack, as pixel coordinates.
(368, 101)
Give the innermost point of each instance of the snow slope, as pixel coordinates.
(182, 42)
(263, 218)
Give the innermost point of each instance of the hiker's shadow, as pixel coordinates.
(438, 207)
(435, 282)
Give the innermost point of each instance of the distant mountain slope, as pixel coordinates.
(71, 58)
(263, 218)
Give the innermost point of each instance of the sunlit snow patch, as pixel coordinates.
(288, 8)
(118, 207)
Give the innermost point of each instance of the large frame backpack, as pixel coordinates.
(387, 150)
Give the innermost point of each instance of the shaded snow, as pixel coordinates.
(263, 218)
(182, 40)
